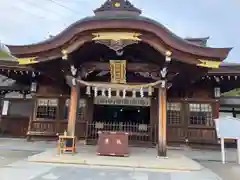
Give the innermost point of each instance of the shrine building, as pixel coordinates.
(116, 71)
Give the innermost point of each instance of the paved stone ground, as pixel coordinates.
(22, 145)
(8, 157)
(211, 159)
(23, 170)
(14, 165)
(139, 158)
(230, 171)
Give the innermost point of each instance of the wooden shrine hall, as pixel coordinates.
(116, 71)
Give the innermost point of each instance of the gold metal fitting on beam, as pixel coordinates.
(64, 54)
(168, 53)
(28, 60)
(209, 63)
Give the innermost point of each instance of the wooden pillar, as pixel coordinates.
(90, 110)
(73, 109)
(32, 116)
(162, 122)
(217, 109)
(61, 104)
(154, 118)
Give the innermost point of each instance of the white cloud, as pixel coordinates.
(30, 21)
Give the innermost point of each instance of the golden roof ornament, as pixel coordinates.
(120, 6)
(117, 4)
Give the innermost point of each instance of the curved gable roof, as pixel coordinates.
(121, 21)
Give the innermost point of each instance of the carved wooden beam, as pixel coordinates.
(156, 75)
(134, 67)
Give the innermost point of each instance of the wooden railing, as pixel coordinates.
(138, 133)
(51, 128)
(43, 128)
(13, 126)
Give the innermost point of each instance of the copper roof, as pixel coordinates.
(198, 41)
(122, 22)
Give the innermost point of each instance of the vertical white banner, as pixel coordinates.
(5, 108)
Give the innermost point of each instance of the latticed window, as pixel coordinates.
(174, 113)
(201, 114)
(47, 108)
(81, 110)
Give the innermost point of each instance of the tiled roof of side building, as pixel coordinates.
(228, 64)
(226, 68)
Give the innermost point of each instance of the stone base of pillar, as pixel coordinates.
(162, 152)
(161, 149)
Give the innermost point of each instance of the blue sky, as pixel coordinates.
(30, 21)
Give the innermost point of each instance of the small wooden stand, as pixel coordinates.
(67, 144)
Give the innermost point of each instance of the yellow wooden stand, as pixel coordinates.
(63, 148)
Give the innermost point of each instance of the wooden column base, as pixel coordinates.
(161, 149)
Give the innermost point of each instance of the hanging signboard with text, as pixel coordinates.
(128, 101)
(118, 71)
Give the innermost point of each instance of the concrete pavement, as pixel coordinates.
(24, 170)
(7, 157)
(15, 165)
(229, 171)
(209, 155)
(139, 158)
(16, 144)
